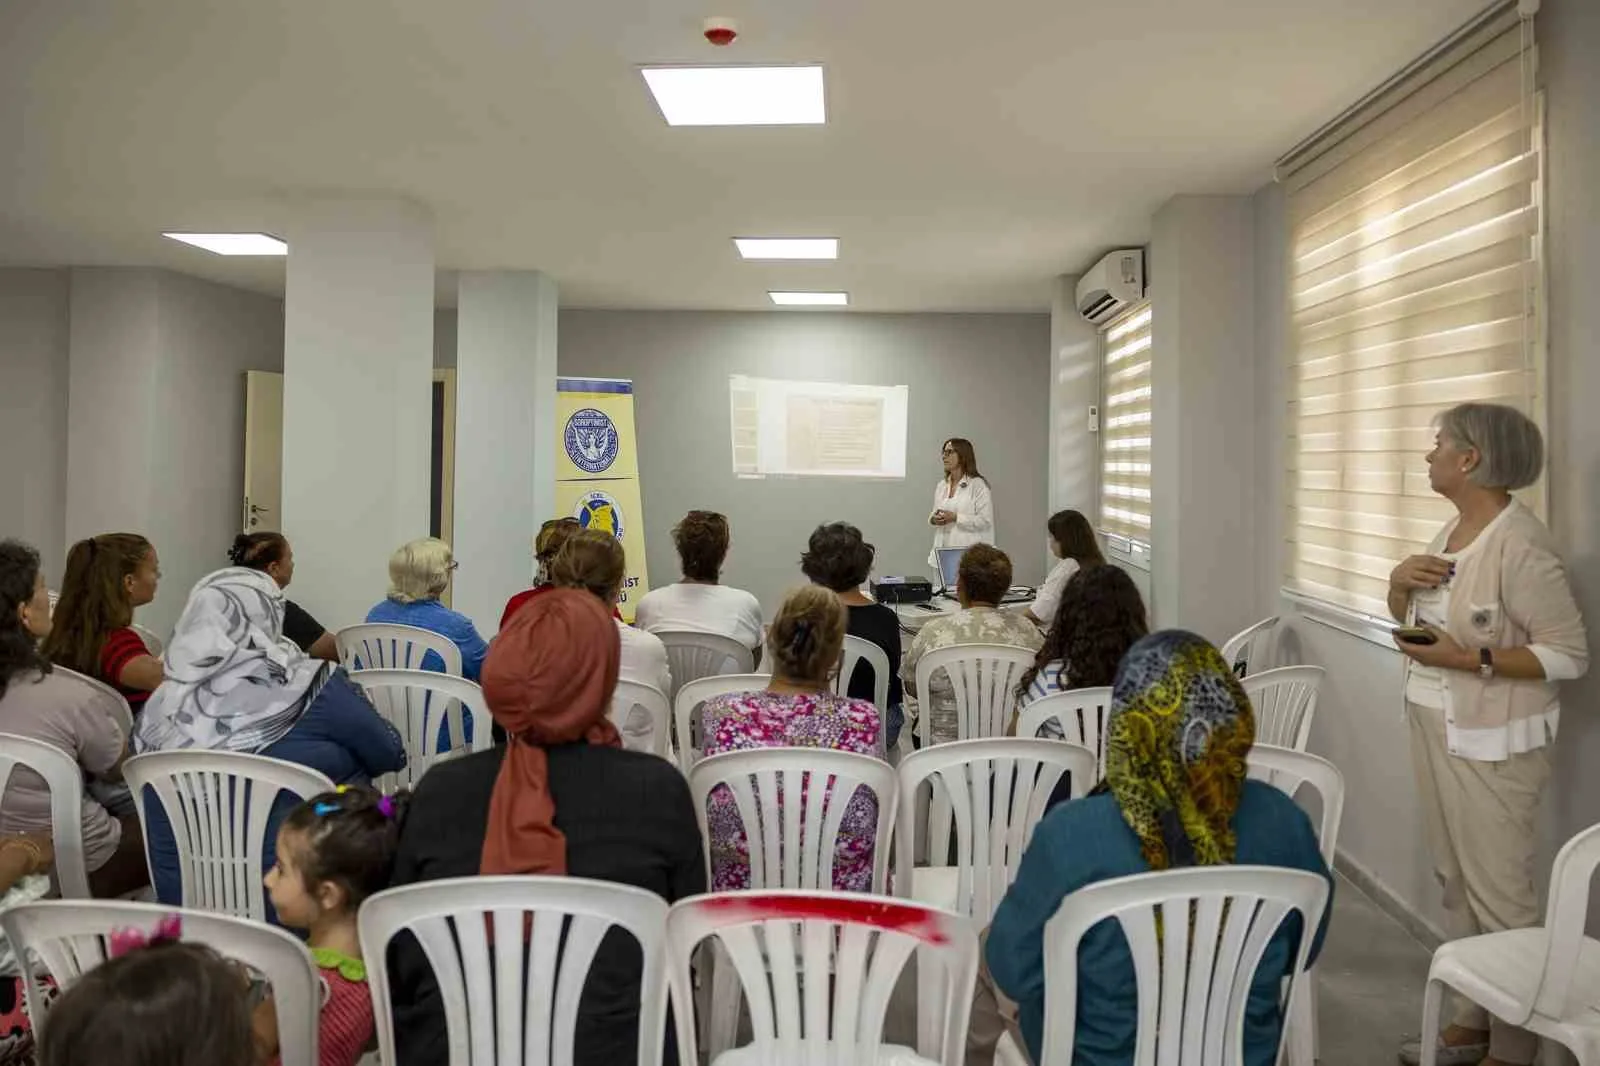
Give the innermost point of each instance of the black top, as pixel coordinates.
(300, 627)
(879, 624)
(627, 817)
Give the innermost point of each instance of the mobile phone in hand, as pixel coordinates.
(1416, 635)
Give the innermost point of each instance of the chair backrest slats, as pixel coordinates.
(1077, 715)
(691, 696)
(654, 705)
(1288, 771)
(421, 705)
(691, 656)
(387, 646)
(856, 651)
(983, 679)
(64, 779)
(1246, 651)
(1285, 701)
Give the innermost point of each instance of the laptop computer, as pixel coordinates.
(949, 560)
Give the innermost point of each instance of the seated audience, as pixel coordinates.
(595, 562)
(562, 797)
(1072, 541)
(698, 604)
(65, 712)
(552, 535)
(838, 558)
(1175, 795)
(334, 851)
(982, 581)
(237, 684)
(1101, 616)
(419, 572)
(24, 878)
(158, 1002)
(107, 577)
(798, 709)
(270, 553)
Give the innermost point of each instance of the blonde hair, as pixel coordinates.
(419, 570)
(807, 636)
(590, 560)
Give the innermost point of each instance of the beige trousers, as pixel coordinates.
(1480, 823)
(992, 1014)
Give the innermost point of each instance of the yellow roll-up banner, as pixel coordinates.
(597, 470)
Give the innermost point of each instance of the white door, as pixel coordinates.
(263, 451)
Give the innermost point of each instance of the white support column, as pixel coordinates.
(358, 366)
(505, 433)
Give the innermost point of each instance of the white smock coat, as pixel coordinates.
(974, 509)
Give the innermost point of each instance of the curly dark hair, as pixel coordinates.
(257, 551)
(19, 576)
(1100, 617)
(985, 573)
(837, 558)
(702, 541)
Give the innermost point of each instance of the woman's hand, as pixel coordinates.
(1445, 654)
(1421, 572)
(943, 518)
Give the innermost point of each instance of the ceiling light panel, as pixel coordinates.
(738, 96)
(787, 247)
(233, 243)
(810, 299)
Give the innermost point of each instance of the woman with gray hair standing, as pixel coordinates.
(1492, 626)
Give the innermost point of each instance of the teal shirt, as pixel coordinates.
(1085, 841)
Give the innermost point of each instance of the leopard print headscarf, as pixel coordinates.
(1179, 732)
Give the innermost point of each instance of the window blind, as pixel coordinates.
(1414, 285)
(1125, 427)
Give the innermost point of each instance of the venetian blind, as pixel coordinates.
(1125, 427)
(1414, 285)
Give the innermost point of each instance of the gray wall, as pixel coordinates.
(33, 410)
(985, 377)
(1358, 722)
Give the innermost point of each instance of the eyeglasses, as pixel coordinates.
(453, 567)
(948, 451)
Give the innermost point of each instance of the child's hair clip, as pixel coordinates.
(323, 809)
(386, 807)
(168, 930)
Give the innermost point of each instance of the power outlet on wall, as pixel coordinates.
(1094, 419)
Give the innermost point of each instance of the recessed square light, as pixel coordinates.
(810, 299)
(788, 247)
(233, 243)
(738, 96)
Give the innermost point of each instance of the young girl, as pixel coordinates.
(334, 851)
(163, 1003)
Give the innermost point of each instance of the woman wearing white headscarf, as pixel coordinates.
(235, 683)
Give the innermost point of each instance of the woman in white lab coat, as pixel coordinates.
(963, 510)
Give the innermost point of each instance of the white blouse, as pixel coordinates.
(1048, 597)
(974, 509)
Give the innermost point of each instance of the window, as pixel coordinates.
(1125, 427)
(817, 428)
(1415, 284)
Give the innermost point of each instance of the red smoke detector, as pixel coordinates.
(721, 31)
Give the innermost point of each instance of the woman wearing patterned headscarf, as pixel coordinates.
(1175, 795)
(561, 797)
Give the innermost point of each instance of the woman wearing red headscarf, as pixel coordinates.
(562, 797)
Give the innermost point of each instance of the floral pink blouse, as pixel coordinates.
(746, 720)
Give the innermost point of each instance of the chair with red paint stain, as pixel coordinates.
(835, 959)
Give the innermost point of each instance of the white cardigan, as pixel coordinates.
(974, 508)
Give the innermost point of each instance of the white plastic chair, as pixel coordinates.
(1080, 714)
(984, 679)
(1285, 700)
(791, 802)
(834, 959)
(686, 707)
(510, 955)
(382, 646)
(855, 650)
(67, 938)
(653, 702)
(691, 656)
(1244, 650)
(1541, 979)
(1194, 976)
(1287, 770)
(64, 779)
(118, 706)
(218, 803)
(997, 790)
(416, 702)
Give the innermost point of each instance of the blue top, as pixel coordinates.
(435, 616)
(1085, 841)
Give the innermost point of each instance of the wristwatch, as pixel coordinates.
(1485, 663)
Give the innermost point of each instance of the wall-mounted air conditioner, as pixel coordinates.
(1111, 285)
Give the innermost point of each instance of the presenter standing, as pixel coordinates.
(963, 510)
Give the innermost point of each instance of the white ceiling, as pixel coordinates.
(971, 152)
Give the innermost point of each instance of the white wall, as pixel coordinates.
(985, 377)
(33, 411)
(1358, 721)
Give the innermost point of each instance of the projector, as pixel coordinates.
(902, 590)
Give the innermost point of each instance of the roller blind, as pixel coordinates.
(1415, 284)
(1125, 426)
